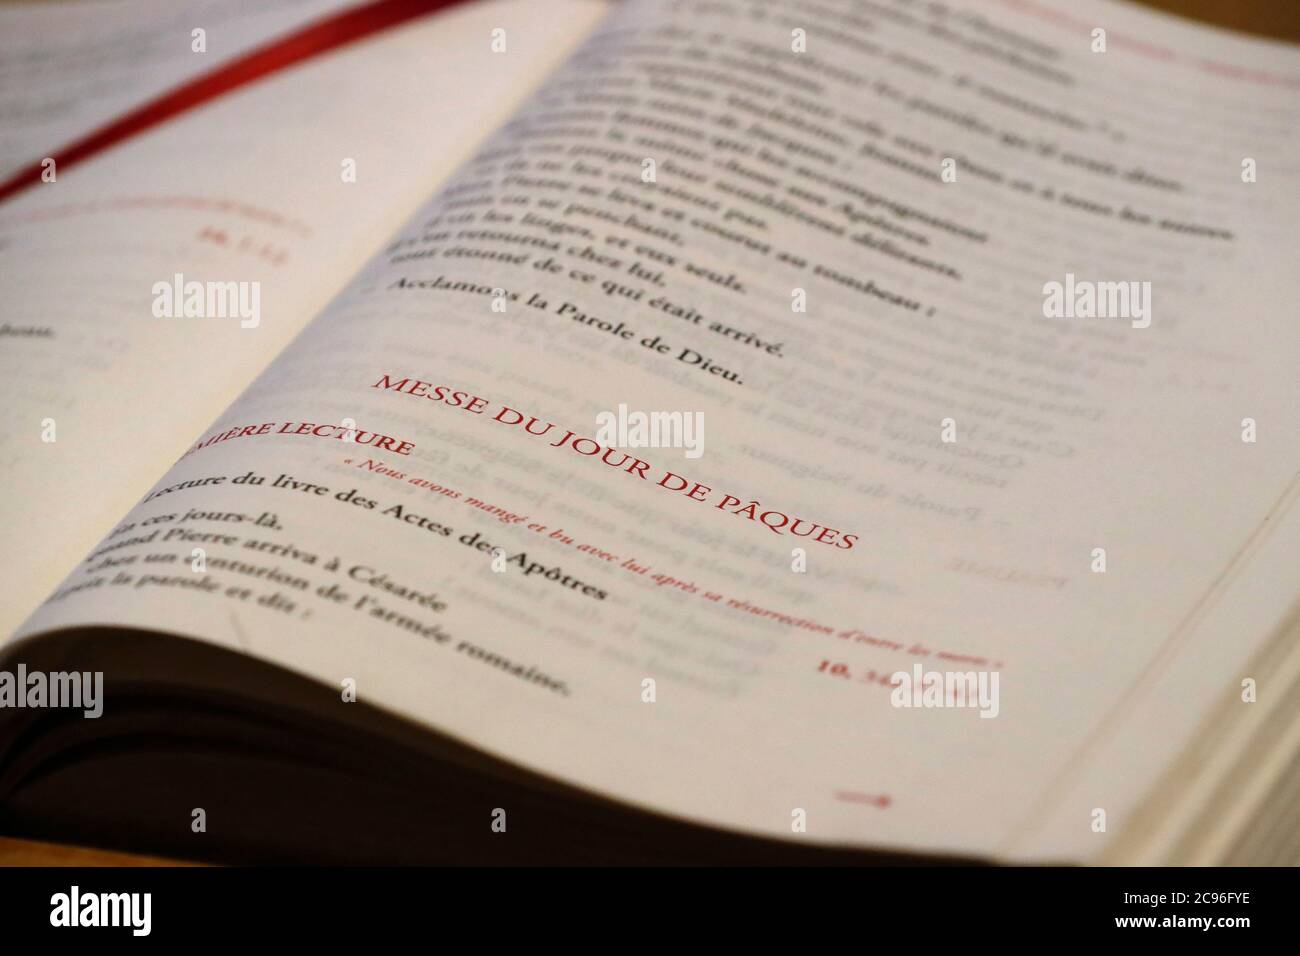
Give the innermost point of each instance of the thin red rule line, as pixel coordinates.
(333, 32)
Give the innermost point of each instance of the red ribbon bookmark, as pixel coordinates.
(334, 31)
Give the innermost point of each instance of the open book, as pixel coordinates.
(661, 431)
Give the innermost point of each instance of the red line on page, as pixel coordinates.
(331, 33)
(1150, 50)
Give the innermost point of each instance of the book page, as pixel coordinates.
(284, 188)
(976, 325)
(68, 68)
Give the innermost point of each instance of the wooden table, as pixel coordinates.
(30, 853)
